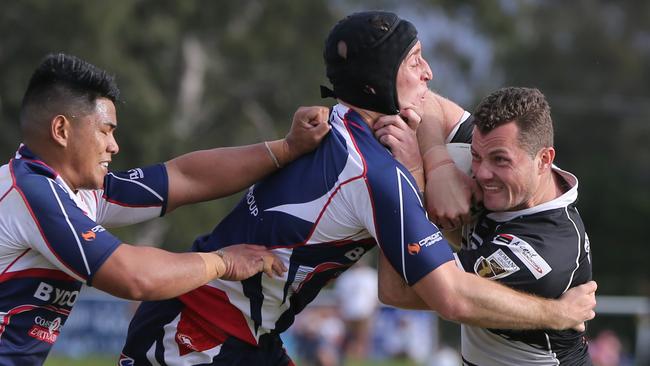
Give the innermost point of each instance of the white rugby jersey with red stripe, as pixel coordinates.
(52, 240)
(319, 214)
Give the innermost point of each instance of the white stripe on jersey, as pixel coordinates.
(140, 184)
(568, 285)
(173, 357)
(74, 233)
(400, 178)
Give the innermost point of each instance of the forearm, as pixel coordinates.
(147, 273)
(472, 300)
(448, 113)
(208, 174)
(394, 291)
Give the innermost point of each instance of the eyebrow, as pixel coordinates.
(110, 123)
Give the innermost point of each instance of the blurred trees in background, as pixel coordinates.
(200, 74)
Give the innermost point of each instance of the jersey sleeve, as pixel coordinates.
(462, 132)
(133, 196)
(413, 245)
(61, 231)
(514, 259)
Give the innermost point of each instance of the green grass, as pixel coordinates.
(87, 361)
(103, 361)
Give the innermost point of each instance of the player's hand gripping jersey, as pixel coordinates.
(320, 214)
(52, 240)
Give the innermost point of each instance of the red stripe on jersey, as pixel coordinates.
(211, 305)
(54, 274)
(126, 204)
(23, 308)
(14, 261)
(190, 336)
(40, 229)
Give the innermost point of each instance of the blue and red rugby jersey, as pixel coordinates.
(52, 240)
(319, 214)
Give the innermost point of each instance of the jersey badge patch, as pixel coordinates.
(525, 252)
(497, 265)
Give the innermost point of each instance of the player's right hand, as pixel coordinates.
(309, 126)
(579, 303)
(246, 260)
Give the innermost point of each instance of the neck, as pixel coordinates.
(48, 155)
(549, 188)
(370, 117)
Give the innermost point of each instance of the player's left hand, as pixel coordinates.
(245, 260)
(579, 302)
(398, 133)
(309, 126)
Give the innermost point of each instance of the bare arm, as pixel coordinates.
(469, 299)
(393, 290)
(448, 191)
(204, 175)
(146, 273)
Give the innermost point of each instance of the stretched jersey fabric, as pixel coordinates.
(542, 250)
(320, 214)
(52, 240)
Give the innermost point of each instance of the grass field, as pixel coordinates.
(99, 361)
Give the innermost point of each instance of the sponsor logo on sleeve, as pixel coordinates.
(497, 265)
(525, 252)
(136, 174)
(91, 234)
(414, 248)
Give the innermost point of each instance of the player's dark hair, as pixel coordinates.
(527, 107)
(65, 84)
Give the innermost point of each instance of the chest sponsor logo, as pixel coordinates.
(355, 253)
(497, 265)
(250, 201)
(45, 330)
(55, 295)
(414, 248)
(525, 252)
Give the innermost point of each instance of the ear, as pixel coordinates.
(60, 127)
(546, 158)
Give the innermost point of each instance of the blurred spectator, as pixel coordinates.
(356, 290)
(319, 333)
(606, 350)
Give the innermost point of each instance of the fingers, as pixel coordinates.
(267, 264)
(312, 115)
(412, 118)
(580, 327)
(590, 286)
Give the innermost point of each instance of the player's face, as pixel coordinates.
(506, 173)
(412, 78)
(92, 145)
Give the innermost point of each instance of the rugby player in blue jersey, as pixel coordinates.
(58, 196)
(358, 197)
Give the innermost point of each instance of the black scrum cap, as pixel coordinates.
(362, 54)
